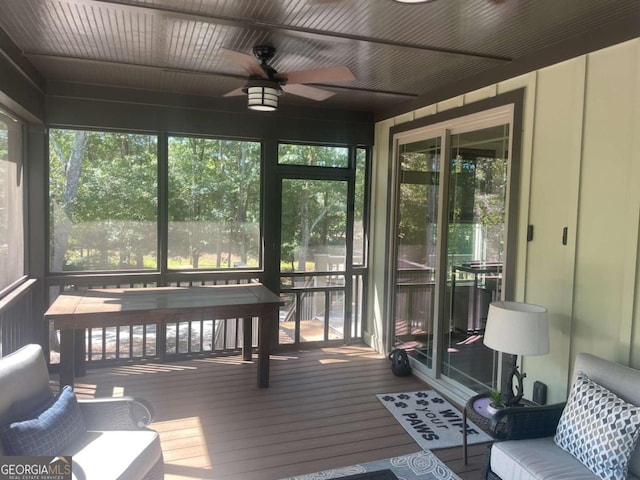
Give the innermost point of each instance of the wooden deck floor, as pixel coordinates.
(319, 412)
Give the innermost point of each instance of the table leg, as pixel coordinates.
(247, 337)
(452, 320)
(464, 435)
(265, 324)
(473, 306)
(80, 352)
(67, 357)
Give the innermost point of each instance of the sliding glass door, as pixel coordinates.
(416, 250)
(449, 232)
(475, 221)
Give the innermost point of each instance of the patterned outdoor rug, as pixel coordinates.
(416, 466)
(430, 419)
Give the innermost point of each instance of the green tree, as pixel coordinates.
(65, 167)
(214, 199)
(313, 211)
(103, 199)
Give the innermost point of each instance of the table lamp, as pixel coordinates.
(518, 329)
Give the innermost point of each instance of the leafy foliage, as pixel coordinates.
(103, 199)
(313, 220)
(214, 201)
(104, 202)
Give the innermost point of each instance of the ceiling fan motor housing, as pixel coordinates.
(264, 83)
(264, 53)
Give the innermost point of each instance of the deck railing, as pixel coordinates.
(326, 298)
(415, 297)
(16, 314)
(188, 337)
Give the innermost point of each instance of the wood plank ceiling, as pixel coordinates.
(397, 53)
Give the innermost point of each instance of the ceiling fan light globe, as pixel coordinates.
(262, 108)
(262, 98)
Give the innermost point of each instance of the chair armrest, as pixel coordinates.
(518, 423)
(121, 413)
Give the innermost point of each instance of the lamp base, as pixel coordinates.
(514, 397)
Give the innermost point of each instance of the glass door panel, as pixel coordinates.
(475, 251)
(416, 247)
(313, 256)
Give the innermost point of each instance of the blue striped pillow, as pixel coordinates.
(53, 428)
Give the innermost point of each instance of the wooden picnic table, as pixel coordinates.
(73, 313)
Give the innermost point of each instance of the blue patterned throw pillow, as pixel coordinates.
(52, 429)
(599, 429)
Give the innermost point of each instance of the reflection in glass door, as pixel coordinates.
(450, 235)
(416, 246)
(475, 251)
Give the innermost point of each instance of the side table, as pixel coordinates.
(476, 411)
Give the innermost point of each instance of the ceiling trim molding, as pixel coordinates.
(98, 61)
(243, 78)
(13, 55)
(101, 93)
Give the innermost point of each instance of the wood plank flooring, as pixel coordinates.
(319, 412)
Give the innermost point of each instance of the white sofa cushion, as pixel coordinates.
(114, 455)
(599, 429)
(536, 459)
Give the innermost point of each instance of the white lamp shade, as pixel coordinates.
(517, 328)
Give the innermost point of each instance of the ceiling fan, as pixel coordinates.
(265, 84)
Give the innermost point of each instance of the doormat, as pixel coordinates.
(415, 466)
(430, 419)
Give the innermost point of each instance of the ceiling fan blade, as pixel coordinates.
(319, 75)
(307, 92)
(234, 93)
(247, 62)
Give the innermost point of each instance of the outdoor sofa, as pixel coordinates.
(106, 438)
(600, 431)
